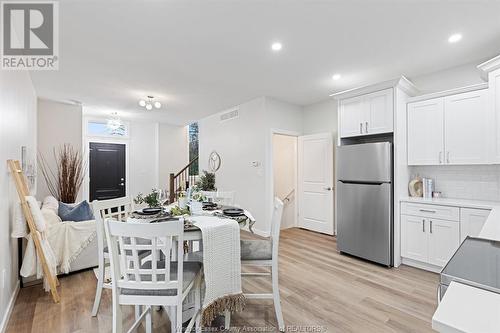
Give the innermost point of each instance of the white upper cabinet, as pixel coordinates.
(380, 108)
(351, 117)
(468, 128)
(367, 114)
(494, 81)
(456, 129)
(426, 132)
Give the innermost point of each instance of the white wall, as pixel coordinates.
(320, 117)
(17, 128)
(455, 77)
(143, 173)
(174, 151)
(242, 141)
(58, 124)
(285, 175)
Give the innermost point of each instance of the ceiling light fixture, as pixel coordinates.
(454, 38)
(149, 103)
(336, 77)
(114, 122)
(276, 46)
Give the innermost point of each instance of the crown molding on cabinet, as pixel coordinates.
(454, 91)
(489, 66)
(402, 82)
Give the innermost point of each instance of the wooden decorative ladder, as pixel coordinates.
(181, 181)
(23, 191)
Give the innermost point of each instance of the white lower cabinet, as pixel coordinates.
(427, 240)
(472, 221)
(414, 238)
(430, 234)
(444, 240)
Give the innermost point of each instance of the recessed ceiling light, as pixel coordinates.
(454, 38)
(276, 46)
(336, 77)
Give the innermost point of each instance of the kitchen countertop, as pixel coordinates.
(464, 308)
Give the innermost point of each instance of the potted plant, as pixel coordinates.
(152, 199)
(207, 185)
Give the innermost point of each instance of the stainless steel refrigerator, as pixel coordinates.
(364, 201)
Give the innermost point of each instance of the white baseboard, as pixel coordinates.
(421, 265)
(10, 306)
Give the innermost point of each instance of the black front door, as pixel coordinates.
(107, 171)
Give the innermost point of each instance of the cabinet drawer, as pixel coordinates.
(431, 211)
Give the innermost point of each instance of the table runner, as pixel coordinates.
(221, 266)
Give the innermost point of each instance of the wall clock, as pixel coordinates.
(214, 161)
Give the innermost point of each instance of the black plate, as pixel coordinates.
(233, 212)
(149, 211)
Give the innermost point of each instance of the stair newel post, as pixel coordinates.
(172, 188)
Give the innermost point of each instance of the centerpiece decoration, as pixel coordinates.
(152, 199)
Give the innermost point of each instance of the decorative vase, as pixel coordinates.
(196, 207)
(183, 202)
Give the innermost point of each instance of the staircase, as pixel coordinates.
(181, 181)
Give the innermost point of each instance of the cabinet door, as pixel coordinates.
(494, 91)
(425, 132)
(444, 239)
(379, 116)
(468, 128)
(472, 221)
(352, 113)
(414, 238)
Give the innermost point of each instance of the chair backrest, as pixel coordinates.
(276, 224)
(126, 240)
(119, 209)
(225, 197)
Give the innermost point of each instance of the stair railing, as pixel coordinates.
(181, 181)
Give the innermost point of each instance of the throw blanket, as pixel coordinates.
(221, 266)
(66, 241)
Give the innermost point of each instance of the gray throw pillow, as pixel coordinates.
(77, 213)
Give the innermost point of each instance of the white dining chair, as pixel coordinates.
(155, 282)
(119, 209)
(225, 198)
(264, 253)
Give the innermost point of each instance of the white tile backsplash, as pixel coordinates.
(479, 182)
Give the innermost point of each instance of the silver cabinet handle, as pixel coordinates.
(427, 210)
(361, 128)
(431, 226)
(366, 127)
(448, 157)
(423, 225)
(440, 157)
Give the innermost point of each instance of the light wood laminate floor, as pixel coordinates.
(321, 290)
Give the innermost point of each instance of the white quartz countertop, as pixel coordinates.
(464, 308)
(466, 203)
(467, 309)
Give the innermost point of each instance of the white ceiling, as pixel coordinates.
(200, 57)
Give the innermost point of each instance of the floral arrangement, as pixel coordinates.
(207, 181)
(152, 199)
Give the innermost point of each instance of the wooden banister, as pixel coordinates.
(181, 180)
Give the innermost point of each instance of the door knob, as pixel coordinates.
(122, 184)
(327, 188)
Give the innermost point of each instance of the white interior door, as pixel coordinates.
(315, 182)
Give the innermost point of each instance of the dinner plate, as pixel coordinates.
(148, 211)
(233, 212)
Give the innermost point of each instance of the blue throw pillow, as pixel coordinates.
(78, 212)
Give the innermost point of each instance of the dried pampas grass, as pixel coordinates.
(65, 181)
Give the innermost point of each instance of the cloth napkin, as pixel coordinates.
(221, 266)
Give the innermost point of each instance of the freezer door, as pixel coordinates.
(367, 162)
(365, 221)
